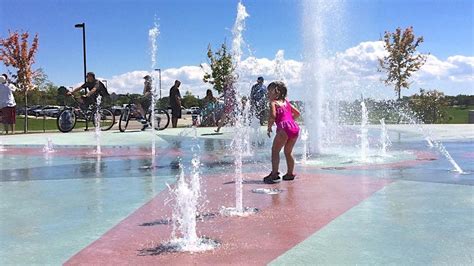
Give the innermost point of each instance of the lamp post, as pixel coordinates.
(106, 85)
(83, 26)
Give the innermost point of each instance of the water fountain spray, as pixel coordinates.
(315, 23)
(410, 117)
(247, 129)
(97, 125)
(280, 66)
(152, 37)
(187, 193)
(238, 141)
(48, 147)
(364, 142)
(384, 138)
(304, 138)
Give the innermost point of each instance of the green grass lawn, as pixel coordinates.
(458, 115)
(37, 124)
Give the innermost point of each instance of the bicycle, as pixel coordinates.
(162, 118)
(67, 118)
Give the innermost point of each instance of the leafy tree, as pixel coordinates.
(221, 67)
(163, 102)
(429, 105)
(402, 59)
(16, 52)
(461, 100)
(189, 100)
(41, 81)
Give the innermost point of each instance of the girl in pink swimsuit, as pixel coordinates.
(283, 114)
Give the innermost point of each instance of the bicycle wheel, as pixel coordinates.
(107, 119)
(66, 120)
(162, 119)
(124, 119)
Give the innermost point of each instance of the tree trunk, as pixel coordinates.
(399, 102)
(25, 129)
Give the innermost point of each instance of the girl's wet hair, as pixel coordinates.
(280, 89)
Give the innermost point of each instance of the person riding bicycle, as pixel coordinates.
(93, 88)
(144, 102)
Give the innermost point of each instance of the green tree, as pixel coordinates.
(221, 66)
(18, 53)
(44, 92)
(189, 100)
(402, 59)
(163, 103)
(430, 106)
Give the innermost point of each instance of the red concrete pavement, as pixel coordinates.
(306, 205)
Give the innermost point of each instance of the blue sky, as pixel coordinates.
(117, 31)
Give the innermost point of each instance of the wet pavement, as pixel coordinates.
(73, 205)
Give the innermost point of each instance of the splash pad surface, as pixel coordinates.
(85, 206)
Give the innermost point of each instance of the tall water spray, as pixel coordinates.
(237, 42)
(364, 142)
(280, 66)
(237, 36)
(97, 125)
(152, 37)
(184, 213)
(384, 138)
(187, 193)
(239, 128)
(321, 24)
(304, 138)
(247, 130)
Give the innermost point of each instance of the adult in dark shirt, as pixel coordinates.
(258, 100)
(175, 103)
(92, 88)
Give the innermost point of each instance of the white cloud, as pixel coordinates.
(356, 66)
(463, 69)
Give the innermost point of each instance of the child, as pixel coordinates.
(283, 114)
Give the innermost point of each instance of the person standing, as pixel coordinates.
(258, 100)
(7, 105)
(283, 114)
(230, 104)
(208, 112)
(175, 103)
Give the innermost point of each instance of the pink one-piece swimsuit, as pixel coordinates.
(284, 120)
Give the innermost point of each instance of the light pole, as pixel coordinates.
(83, 26)
(106, 85)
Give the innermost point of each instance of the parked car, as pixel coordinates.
(34, 110)
(117, 110)
(193, 110)
(20, 110)
(49, 110)
(52, 111)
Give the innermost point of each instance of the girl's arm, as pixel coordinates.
(271, 117)
(296, 113)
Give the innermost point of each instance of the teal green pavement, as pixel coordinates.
(113, 138)
(406, 223)
(33, 225)
(108, 138)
